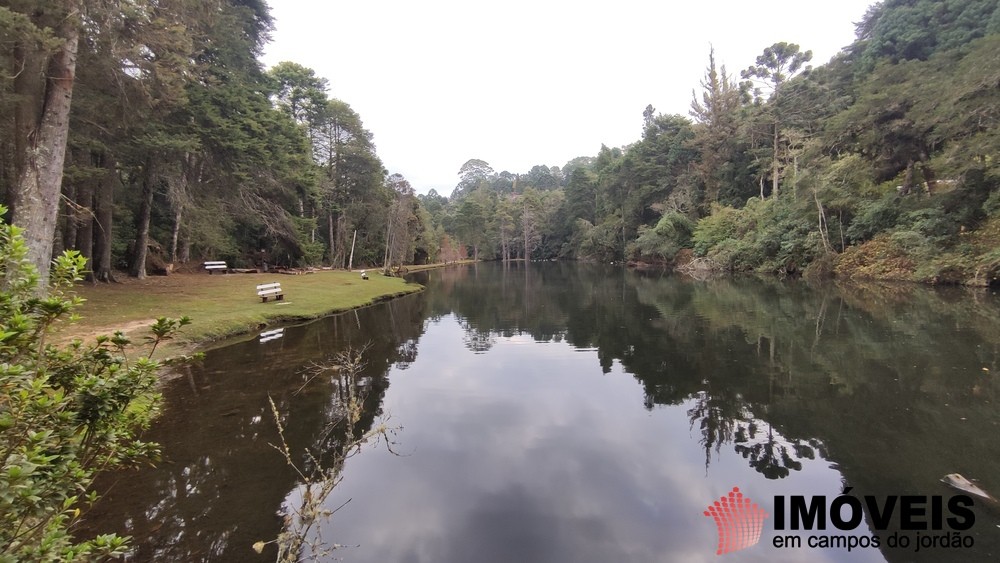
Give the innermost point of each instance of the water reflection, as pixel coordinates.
(563, 412)
(221, 484)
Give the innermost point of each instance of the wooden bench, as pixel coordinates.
(266, 290)
(212, 266)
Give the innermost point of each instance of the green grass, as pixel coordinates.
(221, 305)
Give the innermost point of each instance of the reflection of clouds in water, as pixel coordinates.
(538, 456)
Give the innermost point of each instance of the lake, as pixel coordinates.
(565, 412)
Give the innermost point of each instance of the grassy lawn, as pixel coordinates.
(220, 305)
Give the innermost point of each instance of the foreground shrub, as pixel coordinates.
(65, 412)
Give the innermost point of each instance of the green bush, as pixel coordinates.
(873, 218)
(932, 222)
(992, 204)
(722, 224)
(776, 235)
(601, 242)
(65, 412)
(670, 234)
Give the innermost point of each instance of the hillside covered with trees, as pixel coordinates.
(181, 147)
(881, 163)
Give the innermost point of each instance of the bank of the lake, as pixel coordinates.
(222, 305)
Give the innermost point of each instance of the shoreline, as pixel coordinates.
(222, 306)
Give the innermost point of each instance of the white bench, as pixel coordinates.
(266, 290)
(212, 266)
(269, 335)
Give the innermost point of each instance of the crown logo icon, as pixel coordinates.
(738, 521)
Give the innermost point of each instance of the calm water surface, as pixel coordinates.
(575, 413)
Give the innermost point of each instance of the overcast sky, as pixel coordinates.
(518, 83)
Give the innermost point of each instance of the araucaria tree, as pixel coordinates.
(776, 65)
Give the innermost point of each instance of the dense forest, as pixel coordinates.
(881, 163)
(181, 147)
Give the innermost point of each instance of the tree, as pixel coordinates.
(300, 93)
(45, 51)
(532, 220)
(351, 172)
(717, 115)
(402, 224)
(505, 226)
(900, 30)
(471, 218)
(542, 177)
(130, 62)
(776, 65)
(472, 174)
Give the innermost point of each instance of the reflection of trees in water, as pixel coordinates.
(478, 341)
(321, 470)
(220, 485)
(407, 353)
(502, 301)
(718, 421)
(879, 365)
(723, 420)
(844, 363)
(770, 455)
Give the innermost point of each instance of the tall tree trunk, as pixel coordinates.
(330, 236)
(388, 237)
(340, 258)
(774, 163)
(175, 233)
(177, 195)
(929, 177)
(350, 262)
(138, 267)
(36, 197)
(83, 218)
(824, 234)
(908, 178)
(503, 245)
(103, 218)
(67, 225)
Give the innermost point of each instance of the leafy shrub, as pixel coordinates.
(600, 242)
(670, 234)
(873, 218)
(65, 412)
(931, 222)
(992, 204)
(776, 235)
(722, 224)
